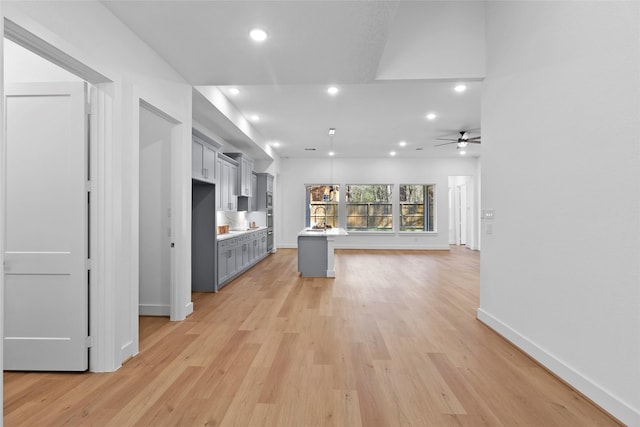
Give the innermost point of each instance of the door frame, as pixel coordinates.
(102, 320)
(114, 139)
(470, 205)
(174, 296)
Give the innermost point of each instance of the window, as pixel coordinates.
(322, 205)
(417, 208)
(369, 207)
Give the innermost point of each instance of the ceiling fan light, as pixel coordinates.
(462, 144)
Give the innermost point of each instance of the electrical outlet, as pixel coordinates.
(488, 228)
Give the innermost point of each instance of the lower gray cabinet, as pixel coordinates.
(237, 254)
(227, 265)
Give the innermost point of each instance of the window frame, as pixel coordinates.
(309, 203)
(433, 210)
(390, 188)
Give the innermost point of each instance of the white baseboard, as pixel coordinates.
(188, 309)
(380, 247)
(154, 310)
(601, 397)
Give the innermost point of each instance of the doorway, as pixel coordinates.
(462, 211)
(155, 222)
(24, 65)
(47, 211)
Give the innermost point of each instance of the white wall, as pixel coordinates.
(560, 275)
(91, 34)
(296, 173)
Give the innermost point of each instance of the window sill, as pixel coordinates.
(370, 233)
(413, 233)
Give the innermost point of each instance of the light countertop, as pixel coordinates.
(236, 233)
(311, 232)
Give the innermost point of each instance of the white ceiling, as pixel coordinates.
(393, 61)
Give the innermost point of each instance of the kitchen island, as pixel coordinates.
(315, 251)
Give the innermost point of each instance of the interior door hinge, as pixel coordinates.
(89, 264)
(89, 341)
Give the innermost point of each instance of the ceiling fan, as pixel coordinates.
(464, 139)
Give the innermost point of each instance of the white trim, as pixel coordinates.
(3, 181)
(103, 355)
(35, 44)
(180, 293)
(610, 403)
(378, 247)
(154, 310)
(188, 309)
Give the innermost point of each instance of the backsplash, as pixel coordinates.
(237, 220)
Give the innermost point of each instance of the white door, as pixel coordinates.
(46, 273)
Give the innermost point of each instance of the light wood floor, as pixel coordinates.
(392, 341)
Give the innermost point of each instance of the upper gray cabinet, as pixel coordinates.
(245, 170)
(204, 153)
(227, 192)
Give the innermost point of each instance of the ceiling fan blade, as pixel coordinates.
(446, 143)
(447, 139)
(474, 138)
(474, 142)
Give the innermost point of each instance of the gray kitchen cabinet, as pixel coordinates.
(239, 248)
(263, 243)
(254, 192)
(250, 204)
(238, 254)
(224, 254)
(245, 253)
(204, 153)
(264, 188)
(270, 183)
(244, 172)
(227, 183)
(254, 248)
(219, 202)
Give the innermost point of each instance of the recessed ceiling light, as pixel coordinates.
(402, 143)
(431, 116)
(258, 34)
(234, 91)
(331, 153)
(393, 153)
(255, 117)
(275, 144)
(460, 88)
(462, 153)
(332, 131)
(332, 90)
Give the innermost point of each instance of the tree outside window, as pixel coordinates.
(369, 207)
(417, 207)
